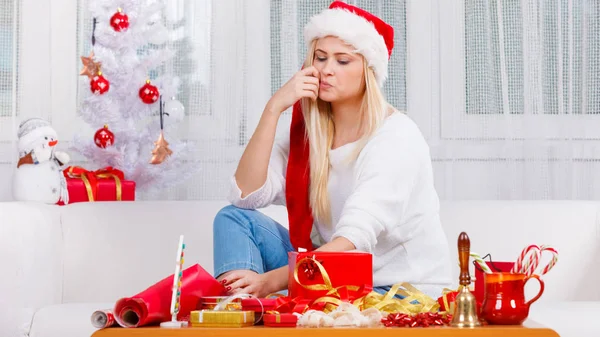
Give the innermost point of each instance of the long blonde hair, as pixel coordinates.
(320, 131)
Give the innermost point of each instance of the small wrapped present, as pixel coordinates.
(107, 184)
(259, 305)
(276, 319)
(221, 319)
(210, 302)
(347, 275)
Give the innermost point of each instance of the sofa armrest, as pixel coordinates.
(30, 260)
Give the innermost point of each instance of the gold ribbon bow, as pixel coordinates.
(90, 179)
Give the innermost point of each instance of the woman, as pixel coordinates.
(352, 165)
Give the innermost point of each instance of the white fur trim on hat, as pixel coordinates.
(354, 30)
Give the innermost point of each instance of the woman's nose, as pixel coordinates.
(327, 68)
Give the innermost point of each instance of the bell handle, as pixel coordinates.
(464, 249)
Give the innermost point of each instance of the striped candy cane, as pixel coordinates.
(524, 261)
(530, 257)
(552, 262)
(532, 262)
(481, 263)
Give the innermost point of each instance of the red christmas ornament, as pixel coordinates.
(119, 21)
(149, 93)
(104, 137)
(99, 84)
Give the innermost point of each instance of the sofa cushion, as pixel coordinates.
(504, 228)
(119, 249)
(30, 251)
(66, 320)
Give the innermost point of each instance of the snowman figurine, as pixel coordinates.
(39, 175)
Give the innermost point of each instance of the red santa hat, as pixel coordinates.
(374, 40)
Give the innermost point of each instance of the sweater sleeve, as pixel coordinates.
(386, 173)
(273, 190)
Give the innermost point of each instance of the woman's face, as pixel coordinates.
(341, 70)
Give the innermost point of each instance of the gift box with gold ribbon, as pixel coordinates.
(280, 320)
(221, 318)
(210, 302)
(348, 275)
(106, 184)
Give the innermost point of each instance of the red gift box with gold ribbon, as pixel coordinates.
(106, 184)
(346, 275)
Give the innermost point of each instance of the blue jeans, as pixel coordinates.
(248, 239)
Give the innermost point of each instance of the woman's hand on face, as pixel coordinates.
(247, 282)
(304, 83)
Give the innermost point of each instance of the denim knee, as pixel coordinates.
(229, 214)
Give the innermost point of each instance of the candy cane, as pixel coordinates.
(552, 262)
(519, 267)
(531, 262)
(481, 263)
(530, 257)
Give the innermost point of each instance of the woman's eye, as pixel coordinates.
(343, 62)
(321, 59)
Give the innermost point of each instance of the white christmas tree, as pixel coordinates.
(131, 92)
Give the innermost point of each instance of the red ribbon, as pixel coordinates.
(423, 319)
(90, 179)
(290, 305)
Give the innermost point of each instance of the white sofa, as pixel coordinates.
(59, 264)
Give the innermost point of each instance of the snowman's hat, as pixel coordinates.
(32, 130)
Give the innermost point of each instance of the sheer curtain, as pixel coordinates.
(10, 34)
(520, 99)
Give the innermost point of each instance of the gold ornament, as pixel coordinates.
(161, 150)
(90, 68)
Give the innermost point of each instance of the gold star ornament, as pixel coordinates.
(90, 68)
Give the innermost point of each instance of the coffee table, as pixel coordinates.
(528, 329)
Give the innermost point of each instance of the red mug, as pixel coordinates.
(504, 298)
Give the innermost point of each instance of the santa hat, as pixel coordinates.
(32, 130)
(374, 40)
(371, 36)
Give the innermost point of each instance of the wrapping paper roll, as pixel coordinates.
(103, 319)
(152, 306)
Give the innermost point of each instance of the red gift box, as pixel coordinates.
(258, 305)
(345, 275)
(479, 287)
(280, 320)
(107, 184)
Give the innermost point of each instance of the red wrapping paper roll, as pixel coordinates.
(153, 305)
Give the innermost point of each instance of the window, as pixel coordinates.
(529, 66)
(9, 56)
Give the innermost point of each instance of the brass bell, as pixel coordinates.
(465, 308)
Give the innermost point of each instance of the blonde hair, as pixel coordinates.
(320, 131)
